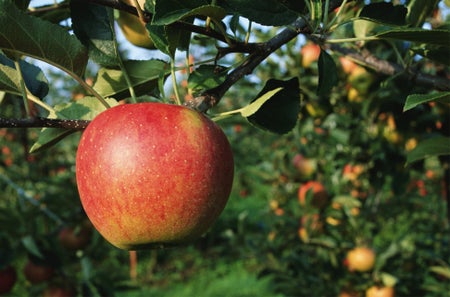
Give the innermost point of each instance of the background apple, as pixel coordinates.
(76, 238)
(152, 174)
(133, 28)
(310, 53)
(37, 273)
(8, 277)
(376, 291)
(59, 291)
(320, 195)
(360, 259)
(306, 167)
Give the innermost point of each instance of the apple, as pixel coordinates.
(75, 238)
(8, 278)
(153, 174)
(306, 167)
(376, 291)
(59, 291)
(310, 53)
(360, 259)
(320, 195)
(347, 65)
(37, 273)
(133, 28)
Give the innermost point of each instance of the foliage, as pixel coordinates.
(368, 105)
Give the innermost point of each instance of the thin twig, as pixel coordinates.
(40, 122)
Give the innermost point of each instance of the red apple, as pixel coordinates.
(37, 273)
(73, 238)
(153, 174)
(59, 291)
(320, 194)
(8, 278)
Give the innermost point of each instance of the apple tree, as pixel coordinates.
(352, 97)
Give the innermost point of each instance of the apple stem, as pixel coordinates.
(133, 265)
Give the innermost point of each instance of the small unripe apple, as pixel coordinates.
(306, 167)
(320, 194)
(153, 174)
(8, 278)
(376, 291)
(360, 259)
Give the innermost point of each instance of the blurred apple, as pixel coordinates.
(377, 291)
(319, 194)
(8, 278)
(37, 273)
(310, 53)
(360, 259)
(306, 167)
(76, 238)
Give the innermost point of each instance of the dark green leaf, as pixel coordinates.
(435, 146)
(144, 77)
(54, 16)
(419, 11)
(23, 34)
(32, 75)
(269, 12)
(385, 12)
(416, 99)
(170, 11)
(437, 37)
(206, 77)
(279, 114)
(94, 26)
(328, 74)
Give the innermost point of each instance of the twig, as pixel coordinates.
(39, 122)
(390, 68)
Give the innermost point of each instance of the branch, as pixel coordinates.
(39, 122)
(366, 58)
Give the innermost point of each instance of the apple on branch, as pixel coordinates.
(153, 174)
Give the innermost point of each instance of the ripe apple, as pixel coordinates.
(133, 28)
(376, 291)
(306, 167)
(347, 65)
(8, 278)
(320, 195)
(73, 238)
(360, 259)
(153, 174)
(310, 53)
(37, 273)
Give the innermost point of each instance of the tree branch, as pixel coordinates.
(390, 68)
(39, 122)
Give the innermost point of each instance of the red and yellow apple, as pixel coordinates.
(310, 53)
(306, 167)
(320, 194)
(153, 174)
(360, 259)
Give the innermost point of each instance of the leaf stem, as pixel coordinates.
(174, 81)
(23, 88)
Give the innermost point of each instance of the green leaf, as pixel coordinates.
(33, 76)
(437, 37)
(279, 113)
(94, 26)
(385, 12)
(328, 73)
(438, 54)
(170, 11)
(441, 270)
(316, 13)
(253, 107)
(144, 77)
(435, 146)
(416, 99)
(30, 245)
(419, 11)
(54, 16)
(206, 77)
(23, 34)
(268, 12)
(83, 109)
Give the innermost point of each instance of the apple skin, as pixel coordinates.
(8, 278)
(153, 174)
(360, 259)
